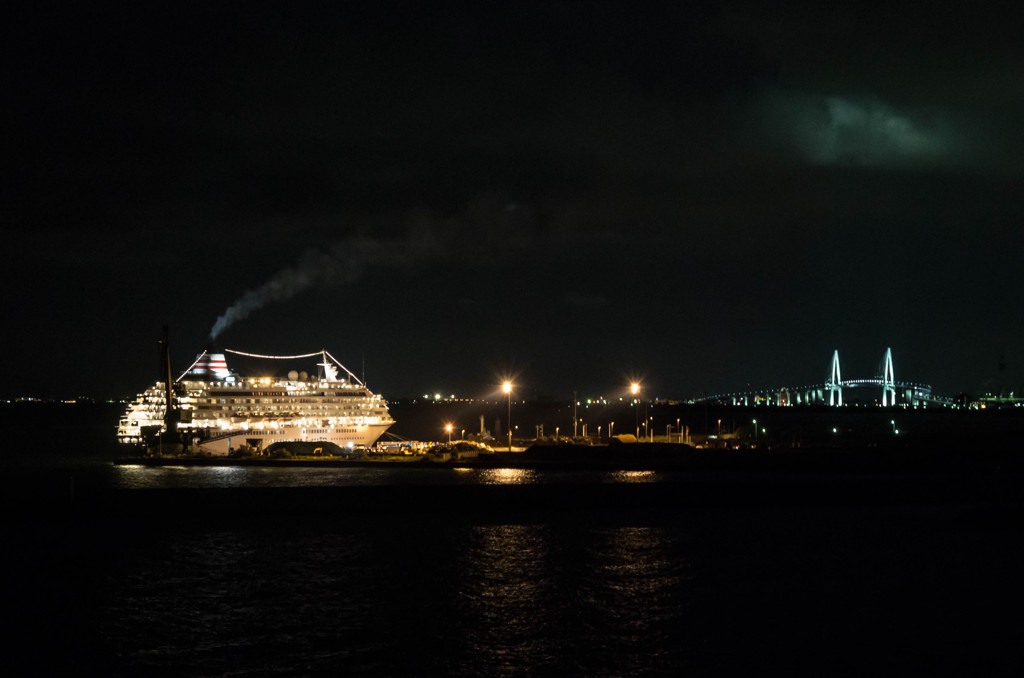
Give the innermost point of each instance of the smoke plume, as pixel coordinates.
(492, 218)
(343, 263)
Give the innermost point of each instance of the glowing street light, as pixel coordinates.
(448, 430)
(507, 388)
(634, 388)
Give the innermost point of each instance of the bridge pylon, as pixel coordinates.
(888, 381)
(835, 383)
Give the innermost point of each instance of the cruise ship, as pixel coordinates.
(216, 411)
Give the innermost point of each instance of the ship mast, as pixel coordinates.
(171, 413)
(330, 369)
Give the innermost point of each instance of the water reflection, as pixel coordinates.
(139, 476)
(507, 476)
(632, 477)
(505, 599)
(229, 475)
(142, 477)
(136, 476)
(633, 596)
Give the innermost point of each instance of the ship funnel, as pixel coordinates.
(210, 364)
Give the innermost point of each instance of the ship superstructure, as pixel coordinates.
(217, 410)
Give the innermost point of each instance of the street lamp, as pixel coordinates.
(634, 388)
(448, 430)
(507, 388)
(755, 428)
(574, 419)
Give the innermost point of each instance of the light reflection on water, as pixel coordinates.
(633, 477)
(413, 599)
(175, 477)
(526, 588)
(506, 476)
(504, 599)
(228, 472)
(137, 476)
(698, 591)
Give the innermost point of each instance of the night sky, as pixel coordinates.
(701, 195)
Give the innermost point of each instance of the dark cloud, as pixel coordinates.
(836, 130)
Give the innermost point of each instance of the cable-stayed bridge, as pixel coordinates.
(883, 390)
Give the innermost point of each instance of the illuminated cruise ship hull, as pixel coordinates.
(218, 412)
(344, 436)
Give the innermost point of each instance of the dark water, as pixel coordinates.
(221, 571)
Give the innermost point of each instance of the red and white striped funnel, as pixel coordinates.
(210, 366)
